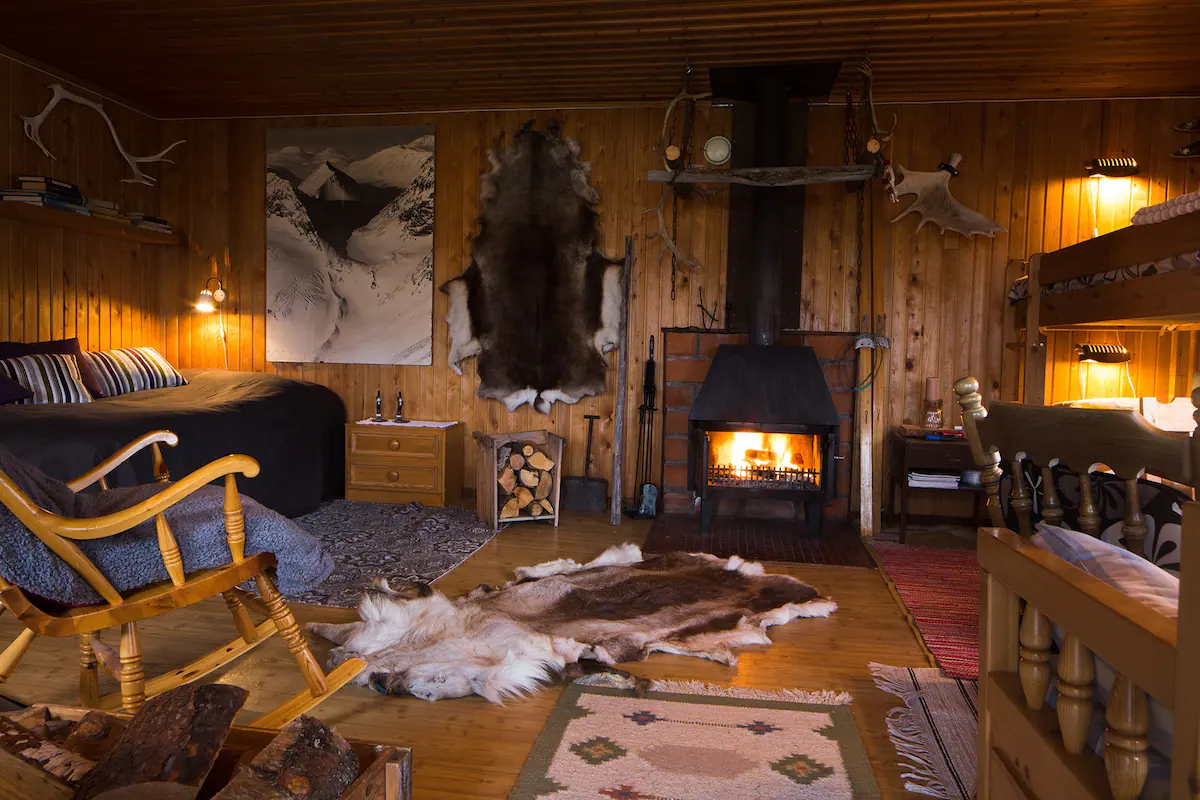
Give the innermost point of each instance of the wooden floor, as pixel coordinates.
(468, 748)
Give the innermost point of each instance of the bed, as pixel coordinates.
(1053, 631)
(1140, 277)
(293, 428)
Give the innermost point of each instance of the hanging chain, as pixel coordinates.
(851, 156)
(674, 237)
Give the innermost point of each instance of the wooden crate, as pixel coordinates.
(385, 771)
(487, 490)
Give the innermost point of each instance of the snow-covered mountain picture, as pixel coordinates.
(350, 245)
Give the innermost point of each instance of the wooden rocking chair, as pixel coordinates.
(60, 533)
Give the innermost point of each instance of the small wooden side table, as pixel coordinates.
(910, 453)
(404, 462)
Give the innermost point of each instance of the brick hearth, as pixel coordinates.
(689, 353)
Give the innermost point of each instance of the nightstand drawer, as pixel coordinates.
(395, 476)
(409, 443)
(939, 455)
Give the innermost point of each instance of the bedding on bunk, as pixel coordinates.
(1162, 508)
(1020, 287)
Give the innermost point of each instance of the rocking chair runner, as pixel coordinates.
(60, 533)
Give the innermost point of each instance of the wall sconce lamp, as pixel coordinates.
(1111, 167)
(209, 298)
(1102, 353)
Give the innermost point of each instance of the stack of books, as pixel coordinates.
(150, 222)
(39, 190)
(923, 479)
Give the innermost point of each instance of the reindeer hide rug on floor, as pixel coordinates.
(506, 641)
(539, 305)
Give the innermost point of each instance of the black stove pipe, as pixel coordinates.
(772, 93)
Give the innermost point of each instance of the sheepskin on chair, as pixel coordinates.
(539, 305)
(504, 642)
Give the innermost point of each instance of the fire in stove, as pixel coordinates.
(764, 460)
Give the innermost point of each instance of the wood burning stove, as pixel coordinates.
(764, 425)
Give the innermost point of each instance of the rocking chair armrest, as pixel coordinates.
(118, 458)
(120, 521)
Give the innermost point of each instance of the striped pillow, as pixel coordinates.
(132, 369)
(52, 377)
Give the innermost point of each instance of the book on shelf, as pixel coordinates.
(42, 180)
(47, 202)
(94, 203)
(933, 480)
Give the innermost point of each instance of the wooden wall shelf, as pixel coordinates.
(42, 215)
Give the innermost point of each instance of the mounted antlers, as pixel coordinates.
(668, 244)
(58, 93)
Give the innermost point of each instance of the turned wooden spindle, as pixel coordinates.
(161, 473)
(241, 617)
(1034, 668)
(281, 615)
(89, 677)
(133, 677)
(988, 460)
(1052, 510)
(103, 484)
(1089, 514)
(13, 654)
(1125, 758)
(235, 521)
(169, 547)
(1020, 498)
(1133, 526)
(1076, 671)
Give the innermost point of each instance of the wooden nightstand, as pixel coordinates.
(913, 453)
(400, 463)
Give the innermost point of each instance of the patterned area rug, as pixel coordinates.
(935, 731)
(404, 543)
(940, 590)
(690, 741)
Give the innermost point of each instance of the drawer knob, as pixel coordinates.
(393, 476)
(394, 444)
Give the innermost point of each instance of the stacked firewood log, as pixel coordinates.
(174, 746)
(525, 482)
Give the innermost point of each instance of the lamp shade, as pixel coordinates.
(205, 302)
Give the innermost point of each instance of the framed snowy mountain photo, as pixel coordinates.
(350, 245)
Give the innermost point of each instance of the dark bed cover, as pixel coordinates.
(293, 428)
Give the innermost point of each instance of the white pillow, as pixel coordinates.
(1137, 578)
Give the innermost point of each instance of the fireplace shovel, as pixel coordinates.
(586, 495)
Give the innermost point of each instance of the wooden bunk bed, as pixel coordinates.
(1031, 598)
(1150, 301)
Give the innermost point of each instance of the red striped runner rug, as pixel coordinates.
(940, 590)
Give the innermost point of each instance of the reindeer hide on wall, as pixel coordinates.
(539, 304)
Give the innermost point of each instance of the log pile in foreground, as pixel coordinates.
(525, 482)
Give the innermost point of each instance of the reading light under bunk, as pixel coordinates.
(1102, 353)
(1123, 167)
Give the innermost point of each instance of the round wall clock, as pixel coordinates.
(717, 150)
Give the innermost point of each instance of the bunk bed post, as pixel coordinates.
(1035, 343)
(1185, 752)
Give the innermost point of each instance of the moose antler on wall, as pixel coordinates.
(58, 93)
(935, 204)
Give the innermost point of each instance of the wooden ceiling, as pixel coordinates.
(268, 57)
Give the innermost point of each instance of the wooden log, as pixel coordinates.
(616, 501)
(529, 478)
(20, 780)
(523, 496)
(546, 504)
(53, 759)
(306, 760)
(516, 461)
(527, 450)
(95, 734)
(507, 480)
(766, 176)
(540, 460)
(169, 746)
(545, 484)
(511, 509)
(535, 509)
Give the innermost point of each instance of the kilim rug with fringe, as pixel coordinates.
(692, 741)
